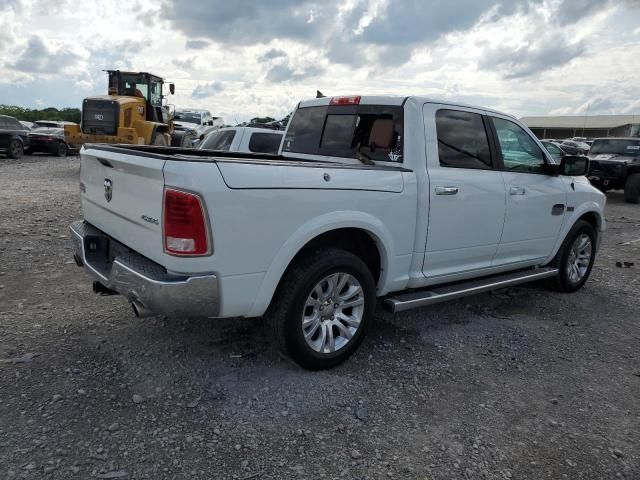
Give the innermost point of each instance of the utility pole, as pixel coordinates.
(584, 125)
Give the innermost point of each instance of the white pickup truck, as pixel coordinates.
(409, 199)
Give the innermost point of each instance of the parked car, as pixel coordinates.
(409, 199)
(27, 125)
(574, 148)
(554, 150)
(51, 141)
(14, 137)
(243, 139)
(201, 121)
(51, 124)
(615, 165)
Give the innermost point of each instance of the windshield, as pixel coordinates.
(616, 147)
(188, 117)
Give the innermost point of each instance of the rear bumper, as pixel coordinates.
(140, 280)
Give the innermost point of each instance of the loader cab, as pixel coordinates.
(143, 85)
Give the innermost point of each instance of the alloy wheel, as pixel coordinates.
(333, 312)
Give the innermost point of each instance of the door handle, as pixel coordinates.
(446, 190)
(517, 191)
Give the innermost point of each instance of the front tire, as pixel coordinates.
(575, 258)
(323, 308)
(15, 150)
(632, 189)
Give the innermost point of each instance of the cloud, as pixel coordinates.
(207, 90)
(245, 22)
(385, 32)
(197, 44)
(272, 54)
(39, 58)
(537, 55)
(186, 64)
(284, 73)
(572, 11)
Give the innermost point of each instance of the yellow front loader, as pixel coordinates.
(132, 113)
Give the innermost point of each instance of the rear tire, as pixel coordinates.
(323, 308)
(632, 188)
(159, 139)
(15, 150)
(62, 149)
(575, 258)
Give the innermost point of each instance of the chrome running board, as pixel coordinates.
(422, 298)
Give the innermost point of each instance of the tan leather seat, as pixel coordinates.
(381, 136)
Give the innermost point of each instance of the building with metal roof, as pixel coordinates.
(591, 126)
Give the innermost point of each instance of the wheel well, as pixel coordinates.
(353, 240)
(593, 219)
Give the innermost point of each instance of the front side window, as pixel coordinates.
(220, 140)
(520, 153)
(265, 142)
(553, 150)
(366, 132)
(462, 140)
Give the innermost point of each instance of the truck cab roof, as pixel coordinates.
(387, 100)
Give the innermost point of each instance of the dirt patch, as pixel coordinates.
(521, 383)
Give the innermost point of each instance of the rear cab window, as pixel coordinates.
(368, 133)
(220, 140)
(265, 142)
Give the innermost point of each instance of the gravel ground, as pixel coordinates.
(520, 383)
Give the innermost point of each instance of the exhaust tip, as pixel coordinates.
(139, 310)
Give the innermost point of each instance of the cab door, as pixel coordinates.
(536, 201)
(466, 193)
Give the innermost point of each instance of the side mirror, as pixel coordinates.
(172, 88)
(574, 166)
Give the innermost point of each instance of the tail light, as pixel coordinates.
(345, 100)
(184, 224)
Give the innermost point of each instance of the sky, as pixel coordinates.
(243, 58)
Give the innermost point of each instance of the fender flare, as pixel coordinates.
(588, 207)
(312, 229)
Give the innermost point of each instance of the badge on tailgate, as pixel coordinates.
(108, 189)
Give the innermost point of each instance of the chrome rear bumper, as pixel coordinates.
(143, 282)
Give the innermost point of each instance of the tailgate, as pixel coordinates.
(122, 196)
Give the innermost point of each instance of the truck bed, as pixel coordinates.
(213, 156)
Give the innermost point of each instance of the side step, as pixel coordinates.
(422, 298)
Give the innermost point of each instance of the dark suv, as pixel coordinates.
(615, 165)
(14, 137)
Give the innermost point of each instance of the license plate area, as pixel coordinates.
(96, 249)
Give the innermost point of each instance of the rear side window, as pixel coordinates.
(220, 140)
(366, 132)
(265, 142)
(462, 140)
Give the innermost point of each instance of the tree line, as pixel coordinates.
(32, 114)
